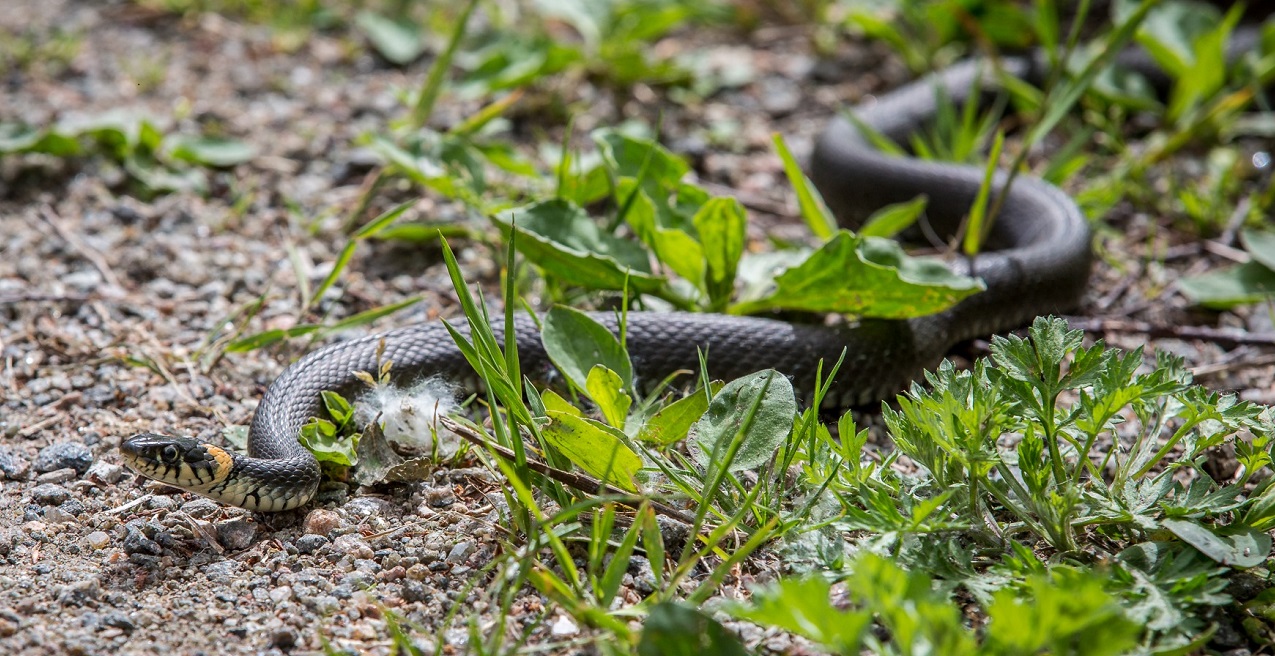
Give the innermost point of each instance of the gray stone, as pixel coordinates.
(352, 545)
(415, 591)
(57, 476)
(63, 455)
(310, 543)
(105, 472)
(72, 506)
(236, 534)
(120, 621)
(201, 508)
(136, 542)
(50, 494)
(13, 466)
(460, 552)
(222, 571)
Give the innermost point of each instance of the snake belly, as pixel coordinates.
(1037, 261)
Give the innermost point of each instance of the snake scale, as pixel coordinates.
(1037, 261)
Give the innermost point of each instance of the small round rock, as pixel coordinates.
(321, 522)
(236, 534)
(353, 545)
(13, 466)
(50, 494)
(63, 455)
(310, 543)
(98, 539)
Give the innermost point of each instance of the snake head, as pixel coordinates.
(179, 461)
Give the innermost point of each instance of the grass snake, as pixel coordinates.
(1037, 261)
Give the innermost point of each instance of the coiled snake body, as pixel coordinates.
(1038, 262)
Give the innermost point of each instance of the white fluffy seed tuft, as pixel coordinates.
(410, 416)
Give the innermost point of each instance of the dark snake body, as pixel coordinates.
(1037, 262)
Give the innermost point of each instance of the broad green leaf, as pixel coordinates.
(728, 412)
(1260, 244)
(606, 388)
(677, 629)
(629, 156)
(868, 277)
(554, 402)
(576, 343)
(400, 42)
(1250, 282)
(721, 223)
(338, 408)
(893, 219)
(560, 238)
(673, 421)
(1245, 548)
(321, 438)
(209, 151)
(803, 606)
(594, 447)
(676, 248)
(813, 210)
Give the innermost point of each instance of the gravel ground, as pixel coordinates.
(107, 302)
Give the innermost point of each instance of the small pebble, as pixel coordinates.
(321, 522)
(236, 534)
(160, 503)
(50, 494)
(135, 542)
(222, 571)
(460, 552)
(284, 639)
(58, 516)
(415, 591)
(57, 476)
(119, 621)
(13, 466)
(280, 594)
(63, 455)
(98, 539)
(310, 543)
(201, 508)
(105, 472)
(392, 574)
(353, 545)
(563, 627)
(418, 572)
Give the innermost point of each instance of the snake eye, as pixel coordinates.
(169, 454)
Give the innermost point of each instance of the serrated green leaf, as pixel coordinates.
(803, 606)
